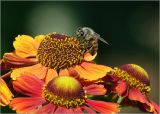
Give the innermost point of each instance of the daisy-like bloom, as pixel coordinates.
(5, 93)
(62, 94)
(132, 82)
(52, 54)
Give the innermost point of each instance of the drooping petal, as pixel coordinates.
(5, 93)
(88, 110)
(89, 57)
(28, 84)
(47, 109)
(51, 73)
(37, 70)
(11, 60)
(63, 110)
(151, 107)
(103, 107)
(156, 107)
(92, 71)
(135, 94)
(95, 89)
(23, 104)
(121, 88)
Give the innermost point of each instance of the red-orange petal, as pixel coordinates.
(103, 107)
(88, 110)
(89, 57)
(28, 85)
(63, 110)
(121, 88)
(37, 70)
(95, 89)
(135, 94)
(77, 110)
(156, 107)
(5, 93)
(149, 107)
(91, 71)
(47, 109)
(27, 104)
(11, 60)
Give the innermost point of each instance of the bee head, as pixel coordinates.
(79, 32)
(83, 32)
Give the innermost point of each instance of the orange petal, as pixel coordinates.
(92, 71)
(103, 107)
(37, 70)
(24, 46)
(50, 75)
(89, 57)
(95, 89)
(28, 85)
(5, 93)
(64, 72)
(37, 40)
(26, 104)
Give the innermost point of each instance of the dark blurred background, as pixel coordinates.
(131, 28)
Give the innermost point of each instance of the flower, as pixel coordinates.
(63, 94)
(52, 54)
(5, 93)
(131, 82)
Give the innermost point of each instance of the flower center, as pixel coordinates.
(65, 91)
(131, 80)
(58, 51)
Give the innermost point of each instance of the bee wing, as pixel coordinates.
(101, 39)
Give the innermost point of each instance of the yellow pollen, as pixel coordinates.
(131, 81)
(58, 51)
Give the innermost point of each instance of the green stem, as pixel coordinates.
(119, 99)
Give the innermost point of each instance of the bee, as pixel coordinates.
(88, 39)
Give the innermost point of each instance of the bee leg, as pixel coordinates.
(91, 51)
(83, 52)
